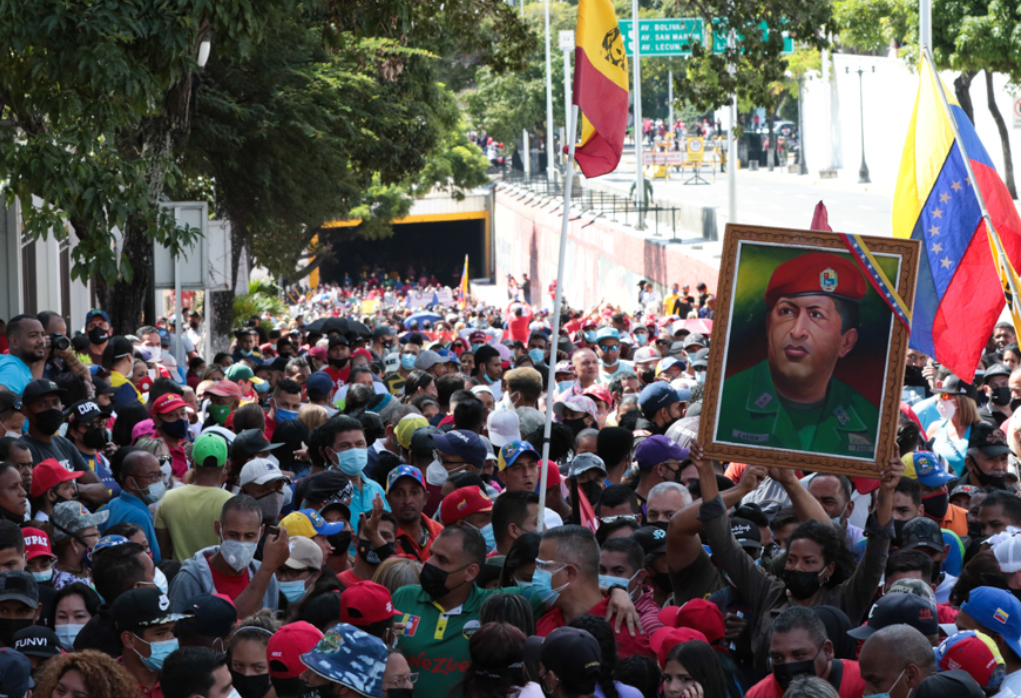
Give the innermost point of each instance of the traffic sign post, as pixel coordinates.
(1017, 113)
(664, 37)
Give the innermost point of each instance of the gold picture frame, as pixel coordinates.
(745, 417)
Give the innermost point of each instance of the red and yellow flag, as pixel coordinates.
(600, 87)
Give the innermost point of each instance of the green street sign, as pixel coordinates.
(720, 40)
(664, 37)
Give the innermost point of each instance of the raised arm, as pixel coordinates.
(805, 505)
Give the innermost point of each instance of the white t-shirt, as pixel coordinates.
(1011, 685)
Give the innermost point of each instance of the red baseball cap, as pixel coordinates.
(699, 614)
(362, 351)
(553, 477)
(37, 544)
(168, 403)
(462, 503)
(286, 646)
(366, 603)
(665, 639)
(224, 388)
(321, 353)
(48, 474)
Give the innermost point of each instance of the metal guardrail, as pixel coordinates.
(614, 207)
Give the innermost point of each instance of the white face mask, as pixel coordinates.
(155, 352)
(436, 474)
(946, 409)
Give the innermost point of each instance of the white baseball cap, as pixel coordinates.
(503, 426)
(1008, 554)
(260, 471)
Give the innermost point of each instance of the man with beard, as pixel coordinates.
(791, 399)
(26, 343)
(407, 495)
(339, 355)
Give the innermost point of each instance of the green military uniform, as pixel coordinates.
(435, 642)
(752, 413)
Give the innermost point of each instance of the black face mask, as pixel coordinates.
(662, 580)
(1000, 396)
(97, 335)
(9, 626)
(95, 438)
(913, 376)
(49, 421)
(936, 505)
(648, 376)
(575, 425)
(341, 542)
(802, 585)
(400, 693)
(986, 480)
(898, 527)
(592, 490)
(1015, 403)
(975, 529)
(339, 363)
(434, 581)
(785, 673)
(296, 687)
(375, 557)
(251, 686)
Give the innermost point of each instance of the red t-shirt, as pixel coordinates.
(339, 377)
(626, 645)
(348, 578)
(232, 586)
(517, 327)
(271, 426)
(851, 683)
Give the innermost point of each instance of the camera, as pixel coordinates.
(59, 342)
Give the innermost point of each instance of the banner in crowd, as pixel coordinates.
(422, 298)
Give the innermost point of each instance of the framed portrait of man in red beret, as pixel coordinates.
(807, 360)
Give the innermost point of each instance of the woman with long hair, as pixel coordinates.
(693, 670)
(397, 572)
(497, 668)
(85, 674)
(958, 412)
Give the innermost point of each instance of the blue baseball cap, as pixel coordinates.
(404, 471)
(319, 386)
(96, 312)
(350, 657)
(607, 333)
(658, 449)
(513, 450)
(928, 468)
(16, 673)
(998, 611)
(669, 362)
(448, 356)
(460, 442)
(658, 395)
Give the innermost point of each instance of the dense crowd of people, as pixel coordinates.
(347, 503)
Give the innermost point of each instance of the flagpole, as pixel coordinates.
(572, 127)
(1004, 262)
(549, 103)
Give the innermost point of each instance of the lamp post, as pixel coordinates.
(863, 171)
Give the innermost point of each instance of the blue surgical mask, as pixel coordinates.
(43, 577)
(294, 590)
(154, 493)
(352, 461)
(523, 585)
(286, 415)
(489, 380)
(542, 584)
(536, 355)
(642, 339)
(408, 362)
(487, 533)
(158, 652)
(475, 347)
(247, 352)
(700, 376)
(67, 633)
(589, 336)
(607, 581)
(886, 694)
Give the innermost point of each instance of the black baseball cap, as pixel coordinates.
(652, 538)
(325, 485)
(35, 641)
(116, 349)
(381, 331)
(955, 386)
(212, 615)
(422, 439)
(279, 363)
(338, 340)
(249, 443)
(140, 608)
(85, 411)
(985, 437)
(997, 370)
(572, 653)
(19, 585)
(921, 532)
(102, 387)
(956, 683)
(40, 387)
(895, 609)
(746, 532)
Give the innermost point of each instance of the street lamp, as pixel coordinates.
(802, 164)
(205, 46)
(863, 171)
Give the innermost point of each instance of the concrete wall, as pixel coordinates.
(604, 261)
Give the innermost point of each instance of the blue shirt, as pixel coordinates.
(361, 500)
(14, 373)
(128, 507)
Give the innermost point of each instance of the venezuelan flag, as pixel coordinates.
(959, 294)
(600, 88)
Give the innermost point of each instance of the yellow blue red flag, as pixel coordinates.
(959, 294)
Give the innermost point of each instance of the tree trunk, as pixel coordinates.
(123, 301)
(1001, 126)
(962, 85)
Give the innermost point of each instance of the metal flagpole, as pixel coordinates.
(732, 149)
(572, 127)
(636, 40)
(549, 103)
(925, 23)
(990, 230)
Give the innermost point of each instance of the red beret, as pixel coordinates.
(817, 274)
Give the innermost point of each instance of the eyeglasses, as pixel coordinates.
(609, 347)
(398, 681)
(619, 518)
(549, 566)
